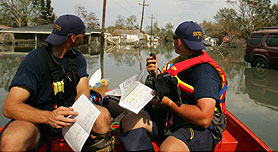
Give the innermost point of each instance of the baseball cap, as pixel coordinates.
(191, 34)
(64, 26)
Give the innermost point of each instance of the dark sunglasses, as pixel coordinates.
(70, 34)
(175, 37)
(83, 32)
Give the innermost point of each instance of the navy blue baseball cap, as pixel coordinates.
(64, 26)
(191, 34)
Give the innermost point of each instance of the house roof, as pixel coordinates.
(42, 29)
(131, 32)
(4, 27)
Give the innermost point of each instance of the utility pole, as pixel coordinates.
(151, 30)
(142, 18)
(102, 39)
(103, 22)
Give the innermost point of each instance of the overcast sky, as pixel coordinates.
(164, 11)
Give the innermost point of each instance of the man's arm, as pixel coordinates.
(82, 87)
(15, 108)
(200, 114)
(206, 84)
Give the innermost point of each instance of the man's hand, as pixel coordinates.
(152, 64)
(62, 117)
(155, 102)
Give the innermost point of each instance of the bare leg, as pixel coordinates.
(103, 122)
(19, 136)
(173, 144)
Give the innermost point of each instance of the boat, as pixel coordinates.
(236, 137)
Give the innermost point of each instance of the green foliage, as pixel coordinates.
(123, 23)
(46, 15)
(89, 18)
(251, 15)
(20, 13)
(165, 34)
(130, 22)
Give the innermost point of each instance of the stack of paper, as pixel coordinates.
(134, 94)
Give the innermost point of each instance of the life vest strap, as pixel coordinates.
(55, 69)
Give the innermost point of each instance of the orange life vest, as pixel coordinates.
(175, 66)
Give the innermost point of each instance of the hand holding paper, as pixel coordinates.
(77, 134)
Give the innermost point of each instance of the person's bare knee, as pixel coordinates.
(19, 136)
(103, 122)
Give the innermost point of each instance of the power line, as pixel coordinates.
(122, 6)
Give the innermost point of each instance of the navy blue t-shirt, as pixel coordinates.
(205, 80)
(33, 73)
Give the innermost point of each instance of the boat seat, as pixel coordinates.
(229, 143)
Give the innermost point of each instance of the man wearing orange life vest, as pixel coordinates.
(196, 124)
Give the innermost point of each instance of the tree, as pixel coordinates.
(46, 15)
(227, 21)
(274, 15)
(130, 23)
(167, 32)
(211, 29)
(120, 22)
(262, 13)
(90, 19)
(124, 23)
(20, 13)
(154, 30)
(251, 15)
(17, 13)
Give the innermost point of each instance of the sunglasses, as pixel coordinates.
(175, 37)
(70, 34)
(83, 32)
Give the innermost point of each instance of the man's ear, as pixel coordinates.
(72, 38)
(179, 43)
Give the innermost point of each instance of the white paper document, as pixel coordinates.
(134, 94)
(77, 134)
(136, 97)
(123, 87)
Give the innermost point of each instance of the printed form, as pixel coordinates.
(77, 134)
(123, 87)
(136, 97)
(134, 94)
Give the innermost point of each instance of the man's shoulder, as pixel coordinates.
(34, 53)
(204, 70)
(79, 57)
(76, 52)
(34, 57)
(204, 67)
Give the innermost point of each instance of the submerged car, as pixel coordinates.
(262, 49)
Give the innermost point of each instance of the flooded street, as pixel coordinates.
(252, 94)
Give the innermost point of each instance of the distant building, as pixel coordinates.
(128, 36)
(209, 41)
(36, 35)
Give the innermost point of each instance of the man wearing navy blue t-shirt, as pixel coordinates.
(190, 90)
(45, 86)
